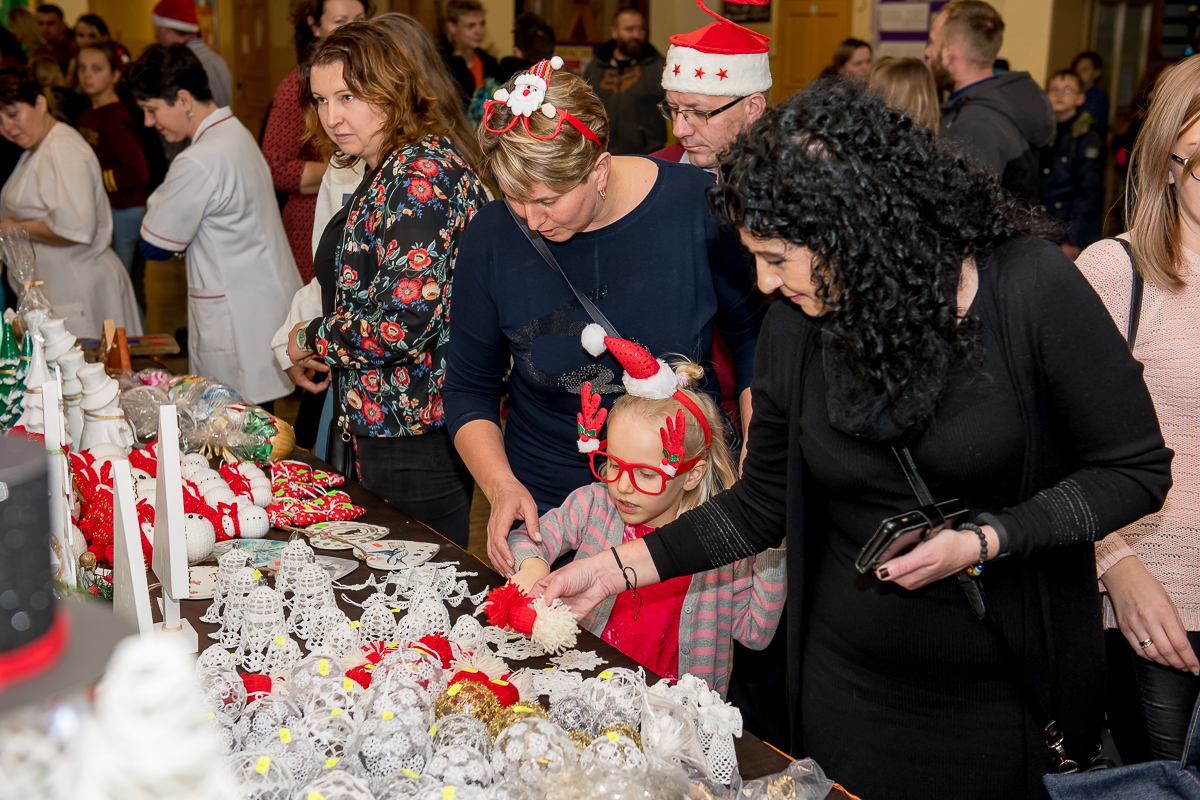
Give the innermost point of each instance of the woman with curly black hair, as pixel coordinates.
(918, 314)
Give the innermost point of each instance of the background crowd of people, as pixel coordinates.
(878, 266)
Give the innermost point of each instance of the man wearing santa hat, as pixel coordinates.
(175, 22)
(716, 79)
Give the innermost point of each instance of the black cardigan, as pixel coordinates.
(1095, 461)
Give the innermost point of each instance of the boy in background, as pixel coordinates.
(1073, 167)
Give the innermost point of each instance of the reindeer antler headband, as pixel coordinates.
(529, 95)
(645, 376)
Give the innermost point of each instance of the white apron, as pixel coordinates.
(59, 183)
(218, 204)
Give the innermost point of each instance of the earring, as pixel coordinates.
(601, 194)
(189, 114)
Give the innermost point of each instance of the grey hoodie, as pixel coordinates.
(1003, 122)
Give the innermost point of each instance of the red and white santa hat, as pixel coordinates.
(722, 59)
(179, 15)
(648, 377)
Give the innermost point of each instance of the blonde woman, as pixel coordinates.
(632, 234)
(906, 84)
(1149, 569)
(23, 24)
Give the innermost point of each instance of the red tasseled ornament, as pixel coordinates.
(146, 458)
(375, 651)
(522, 617)
(501, 601)
(256, 686)
(505, 692)
(473, 675)
(361, 674)
(440, 646)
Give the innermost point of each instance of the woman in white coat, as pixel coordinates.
(217, 204)
(57, 194)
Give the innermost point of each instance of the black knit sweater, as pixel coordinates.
(1093, 461)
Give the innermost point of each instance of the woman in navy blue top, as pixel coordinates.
(633, 234)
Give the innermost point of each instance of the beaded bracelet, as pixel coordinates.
(975, 570)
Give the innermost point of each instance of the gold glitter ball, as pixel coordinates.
(511, 714)
(581, 739)
(625, 729)
(470, 698)
(87, 560)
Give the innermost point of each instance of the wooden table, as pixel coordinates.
(755, 758)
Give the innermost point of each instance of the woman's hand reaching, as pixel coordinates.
(940, 557)
(1145, 613)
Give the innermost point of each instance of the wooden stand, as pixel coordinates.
(170, 543)
(131, 595)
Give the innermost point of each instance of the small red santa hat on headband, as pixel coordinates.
(645, 375)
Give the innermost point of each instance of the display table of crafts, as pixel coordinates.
(754, 757)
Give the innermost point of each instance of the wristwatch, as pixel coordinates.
(302, 338)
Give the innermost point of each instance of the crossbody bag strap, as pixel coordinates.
(1051, 734)
(539, 244)
(1135, 297)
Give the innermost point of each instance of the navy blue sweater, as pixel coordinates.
(662, 275)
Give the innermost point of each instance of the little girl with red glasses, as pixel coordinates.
(665, 454)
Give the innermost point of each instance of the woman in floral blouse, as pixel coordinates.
(385, 265)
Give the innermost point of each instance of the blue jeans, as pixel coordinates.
(127, 226)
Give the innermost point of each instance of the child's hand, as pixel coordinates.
(532, 570)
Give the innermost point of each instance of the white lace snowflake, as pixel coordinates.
(585, 661)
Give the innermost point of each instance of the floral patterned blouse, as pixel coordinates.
(390, 325)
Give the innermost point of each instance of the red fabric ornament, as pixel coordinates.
(375, 651)
(500, 603)
(194, 503)
(473, 675)
(238, 483)
(332, 506)
(256, 686)
(636, 359)
(361, 674)
(505, 692)
(440, 646)
(146, 458)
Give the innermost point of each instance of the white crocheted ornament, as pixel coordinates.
(253, 522)
(199, 537)
(460, 765)
(330, 735)
(257, 775)
(313, 667)
(383, 747)
(336, 784)
(377, 623)
(222, 691)
(262, 622)
(532, 749)
(462, 730)
(616, 752)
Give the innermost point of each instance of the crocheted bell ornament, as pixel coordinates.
(551, 626)
(529, 90)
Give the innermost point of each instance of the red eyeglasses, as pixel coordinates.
(645, 478)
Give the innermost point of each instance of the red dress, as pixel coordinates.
(653, 640)
(286, 153)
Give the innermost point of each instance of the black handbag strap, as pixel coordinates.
(539, 244)
(1051, 734)
(1135, 297)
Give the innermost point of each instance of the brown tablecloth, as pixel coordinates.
(755, 758)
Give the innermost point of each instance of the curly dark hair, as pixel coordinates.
(890, 215)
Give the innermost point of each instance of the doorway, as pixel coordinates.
(807, 33)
